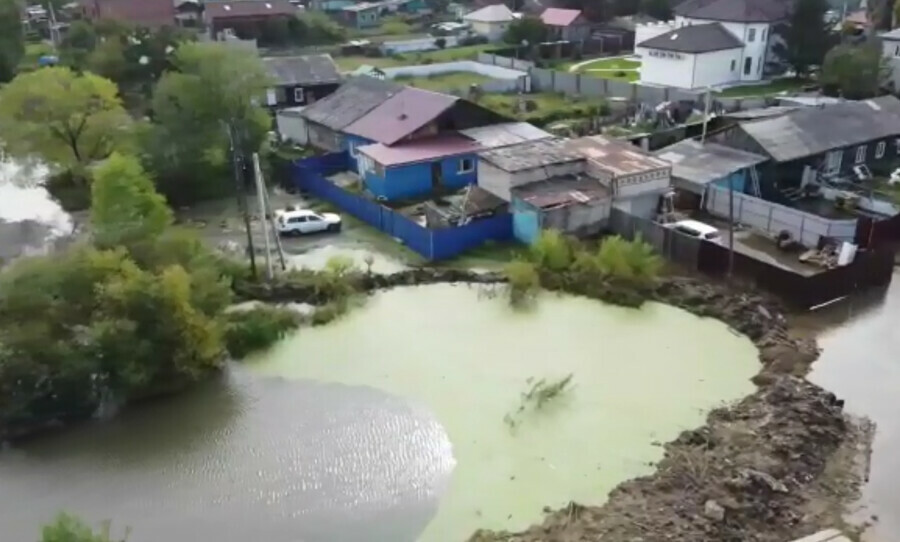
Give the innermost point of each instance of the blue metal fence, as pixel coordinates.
(433, 244)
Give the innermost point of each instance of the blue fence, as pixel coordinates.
(433, 244)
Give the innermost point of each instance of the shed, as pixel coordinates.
(300, 80)
(502, 169)
(362, 15)
(418, 167)
(327, 118)
(491, 21)
(574, 204)
(696, 165)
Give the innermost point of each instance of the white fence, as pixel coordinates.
(502, 79)
(416, 45)
(773, 218)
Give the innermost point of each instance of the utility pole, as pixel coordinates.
(706, 114)
(263, 213)
(276, 235)
(236, 158)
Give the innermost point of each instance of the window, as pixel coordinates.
(733, 65)
(466, 165)
(860, 154)
(751, 34)
(879, 149)
(298, 95)
(748, 64)
(833, 161)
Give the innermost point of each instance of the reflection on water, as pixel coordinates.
(859, 363)
(639, 376)
(239, 460)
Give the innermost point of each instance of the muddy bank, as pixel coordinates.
(769, 468)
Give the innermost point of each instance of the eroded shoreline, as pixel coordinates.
(777, 465)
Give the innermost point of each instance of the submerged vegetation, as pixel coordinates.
(617, 269)
(258, 328)
(538, 396)
(66, 528)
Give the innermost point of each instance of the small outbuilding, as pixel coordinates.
(573, 204)
(566, 24)
(300, 80)
(696, 166)
(491, 21)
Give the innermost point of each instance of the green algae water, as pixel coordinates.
(639, 377)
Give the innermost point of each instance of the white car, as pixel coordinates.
(303, 221)
(696, 229)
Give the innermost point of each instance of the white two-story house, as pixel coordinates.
(696, 49)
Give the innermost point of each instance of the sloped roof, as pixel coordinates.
(813, 130)
(703, 163)
(350, 101)
(419, 150)
(559, 17)
(504, 134)
(246, 8)
(741, 11)
(401, 115)
(297, 70)
(531, 155)
(497, 13)
(615, 155)
(142, 12)
(697, 38)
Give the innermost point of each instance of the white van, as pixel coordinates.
(696, 229)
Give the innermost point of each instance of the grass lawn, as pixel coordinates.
(773, 87)
(548, 104)
(445, 81)
(350, 63)
(619, 69)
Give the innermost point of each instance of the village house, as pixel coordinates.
(244, 17)
(711, 43)
(828, 142)
(491, 21)
(147, 13)
(362, 15)
(890, 49)
(566, 24)
(300, 80)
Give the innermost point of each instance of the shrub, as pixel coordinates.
(523, 281)
(632, 262)
(257, 329)
(551, 251)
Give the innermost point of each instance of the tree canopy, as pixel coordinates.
(853, 71)
(12, 44)
(65, 118)
(806, 36)
(530, 30)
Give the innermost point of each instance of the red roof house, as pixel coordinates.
(566, 24)
(149, 13)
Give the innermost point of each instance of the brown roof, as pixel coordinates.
(140, 12)
(401, 115)
(616, 156)
(231, 9)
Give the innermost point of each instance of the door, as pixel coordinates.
(437, 176)
(833, 161)
(314, 224)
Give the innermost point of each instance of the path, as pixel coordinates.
(574, 67)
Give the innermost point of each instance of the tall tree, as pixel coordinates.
(77, 44)
(854, 72)
(530, 30)
(65, 118)
(12, 44)
(807, 37)
(125, 207)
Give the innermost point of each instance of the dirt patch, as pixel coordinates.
(780, 464)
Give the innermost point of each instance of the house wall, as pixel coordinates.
(492, 31)
(717, 68)
(499, 182)
(578, 219)
(324, 138)
(526, 221)
(756, 50)
(415, 180)
(674, 70)
(351, 143)
(292, 128)
(628, 186)
(788, 174)
(642, 205)
(285, 96)
(891, 51)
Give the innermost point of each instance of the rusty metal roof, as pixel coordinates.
(530, 155)
(616, 156)
(561, 191)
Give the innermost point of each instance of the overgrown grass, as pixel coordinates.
(258, 328)
(618, 269)
(537, 396)
(460, 81)
(450, 54)
(545, 107)
(773, 87)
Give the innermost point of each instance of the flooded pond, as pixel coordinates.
(389, 425)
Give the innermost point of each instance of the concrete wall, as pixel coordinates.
(668, 69)
(291, 127)
(717, 68)
(503, 79)
(415, 45)
(491, 31)
(500, 183)
(771, 218)
(505, 62)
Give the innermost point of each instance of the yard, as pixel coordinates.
(546, 108)
(350, 63)
(773, 87)
(618, 68)
(445, 81)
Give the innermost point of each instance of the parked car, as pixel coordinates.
(697, 229)
(303, 221)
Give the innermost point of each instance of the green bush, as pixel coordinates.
(632, 262)
(523, 281)
(257, 329)
(551, 251)
(66, 528)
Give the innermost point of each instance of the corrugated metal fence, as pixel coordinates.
(433, 244)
